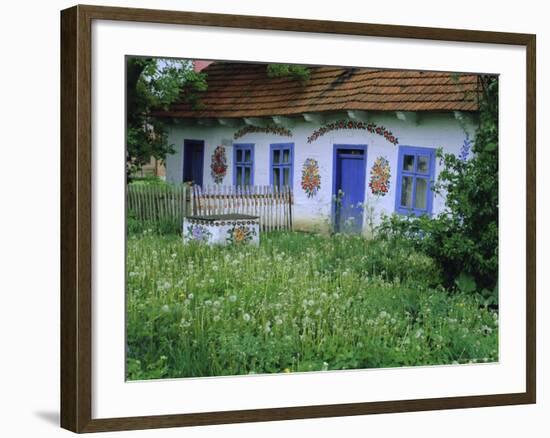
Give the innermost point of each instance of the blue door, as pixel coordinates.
(193, 160)
(349, 187)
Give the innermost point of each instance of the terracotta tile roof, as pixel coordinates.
(245, 90)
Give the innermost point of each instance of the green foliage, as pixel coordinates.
(298, 302)
(464, 238)
(161, 227)
(148, 180)
(297, 72)
(154, 83)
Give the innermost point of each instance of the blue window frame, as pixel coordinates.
(415, 177)
(281, 164)
(243, 164)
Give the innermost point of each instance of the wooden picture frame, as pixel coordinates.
(76, 218)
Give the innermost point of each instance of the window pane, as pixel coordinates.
(406, 191)
(276, 156)
(408, 163)
(247, 176)
(239, 176)
(421, 194)
(248, 156)
(422, 164)
(276, 176)
(239, 155)
(286, 156)
(286, 176)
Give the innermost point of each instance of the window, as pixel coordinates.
(415, 175)
(282, 163)
(243, 164)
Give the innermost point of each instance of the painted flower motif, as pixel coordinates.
(265, 130)
(198, 233)
(351, 124)
(311, 180)
(240, 234)
(380, 177)
(218, 165)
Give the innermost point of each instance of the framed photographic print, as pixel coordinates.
(268, 219)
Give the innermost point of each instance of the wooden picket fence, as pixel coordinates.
(272, 204)
(151, 202)
(174, 202)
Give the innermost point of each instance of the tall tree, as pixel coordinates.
(154, 83)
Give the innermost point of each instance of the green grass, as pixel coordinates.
(299, 302)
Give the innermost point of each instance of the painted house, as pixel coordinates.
(353, 143)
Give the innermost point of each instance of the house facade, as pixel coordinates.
(353, 144)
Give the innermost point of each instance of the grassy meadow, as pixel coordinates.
(298, 302)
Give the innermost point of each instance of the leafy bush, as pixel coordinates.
(297, 72)
(148, 180)
(463, 240)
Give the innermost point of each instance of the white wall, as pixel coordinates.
(439, 130)
(29, 231)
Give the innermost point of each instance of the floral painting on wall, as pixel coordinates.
(218, 166)
(380, 177)
(311, 179)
